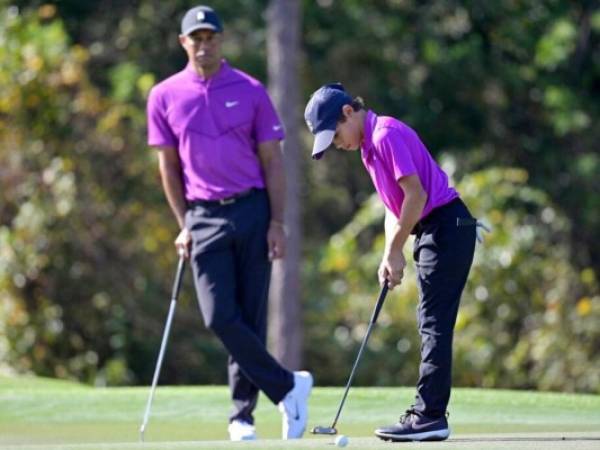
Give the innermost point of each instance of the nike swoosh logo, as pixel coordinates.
(231, 104)
(297, 411)
(420, 426)
(276, 127)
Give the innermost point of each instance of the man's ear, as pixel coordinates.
(182, 40)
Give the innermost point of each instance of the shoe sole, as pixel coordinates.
(438, 435)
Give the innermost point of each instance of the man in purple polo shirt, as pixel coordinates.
(217, 136)
(418, 200)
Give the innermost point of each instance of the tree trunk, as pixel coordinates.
(283, 48)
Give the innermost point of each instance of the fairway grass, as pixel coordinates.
(50, 414)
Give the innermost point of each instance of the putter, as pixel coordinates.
(163, 345)
(332, 430)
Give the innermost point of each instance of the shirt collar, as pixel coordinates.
(218, 75)
(366, 145)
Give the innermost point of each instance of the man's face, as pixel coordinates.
(203, 48)
(348, 133)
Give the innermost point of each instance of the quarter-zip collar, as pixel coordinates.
(215, 79)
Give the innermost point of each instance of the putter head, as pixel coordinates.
(323, 430)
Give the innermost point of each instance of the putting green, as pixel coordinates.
(48, 414)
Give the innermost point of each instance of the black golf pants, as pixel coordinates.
(443, 253)
(231, 272)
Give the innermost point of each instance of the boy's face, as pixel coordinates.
(348, 134)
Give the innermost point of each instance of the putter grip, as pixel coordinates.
(380, 300)
(178, 277)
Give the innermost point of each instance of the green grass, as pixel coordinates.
(50, 414)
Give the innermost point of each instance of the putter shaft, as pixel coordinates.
(374, 316)
(163, 344)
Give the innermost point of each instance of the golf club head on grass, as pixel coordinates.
(332, 430)
(323, 430)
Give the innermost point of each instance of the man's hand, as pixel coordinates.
(276, 240)
(391, 269)
(182, 243)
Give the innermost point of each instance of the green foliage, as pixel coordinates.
(84, 230)
(86, 254)
(528, 317)
(504, 82)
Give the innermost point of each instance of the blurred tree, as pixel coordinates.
(283, 46)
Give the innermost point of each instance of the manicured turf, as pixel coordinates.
(48, 414)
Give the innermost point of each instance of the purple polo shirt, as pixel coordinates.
(215, 125)
(391, 150)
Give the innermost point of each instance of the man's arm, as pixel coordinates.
(271, 160)
(170, 174)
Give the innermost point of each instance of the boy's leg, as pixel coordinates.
(443, 257)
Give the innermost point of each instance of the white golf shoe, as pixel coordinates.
(240, 430)
(294, 407)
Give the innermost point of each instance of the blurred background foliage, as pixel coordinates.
(505, 93)
(528, 317)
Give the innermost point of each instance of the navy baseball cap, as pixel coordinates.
(322, 113)
(201, 18)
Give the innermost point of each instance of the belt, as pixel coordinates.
(437, 216)
(222, 201)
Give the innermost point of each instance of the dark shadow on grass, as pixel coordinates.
(526, 439)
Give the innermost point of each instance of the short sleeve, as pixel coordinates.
(267, 126)
(160, 133)
(393, 149)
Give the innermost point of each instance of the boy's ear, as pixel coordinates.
(347, 110)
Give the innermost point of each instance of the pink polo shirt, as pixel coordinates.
(391, 150)
(215, 125)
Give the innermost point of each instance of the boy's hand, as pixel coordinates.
(391, 269)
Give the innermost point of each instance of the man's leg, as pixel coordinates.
(253, 269)
(214, 267)
(253, 272)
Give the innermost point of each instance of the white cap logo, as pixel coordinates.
(200, 16)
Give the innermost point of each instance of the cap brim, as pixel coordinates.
(323, 140)
(201, 26)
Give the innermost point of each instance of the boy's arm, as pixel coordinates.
(415, 199)
(397, 231)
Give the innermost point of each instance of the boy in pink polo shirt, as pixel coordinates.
(418, 200)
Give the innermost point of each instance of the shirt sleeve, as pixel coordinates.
(396, 154)
(160, 133)
(267, 126)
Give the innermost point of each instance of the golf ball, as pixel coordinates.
(341, 440)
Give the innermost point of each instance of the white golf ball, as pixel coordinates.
(341, 440)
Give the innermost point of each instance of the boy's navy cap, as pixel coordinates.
(201, 18)
(322, 113)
